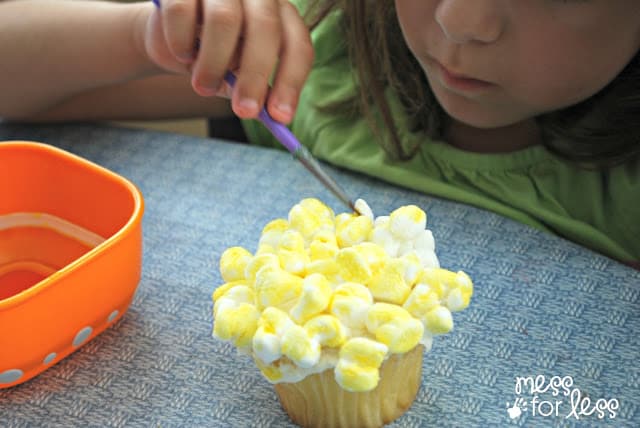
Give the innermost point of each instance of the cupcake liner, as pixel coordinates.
(319, 401)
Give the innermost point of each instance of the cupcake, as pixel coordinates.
(337, 310)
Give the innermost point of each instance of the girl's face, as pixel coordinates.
(494, 63)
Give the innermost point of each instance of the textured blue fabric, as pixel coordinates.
(542, 305)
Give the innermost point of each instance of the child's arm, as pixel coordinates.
(67, 60)
(54, 50)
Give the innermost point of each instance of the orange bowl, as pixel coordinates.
(70, 254)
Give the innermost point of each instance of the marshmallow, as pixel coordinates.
(407, 222)
(277, 288)
(233, 263)
(323, 246)
(315, 298)
(299, 348)
(309, 216)
(326, 330)
(358, 365)
(363, 208)
(352, 266)
(353, 230)
(350, 304)
(389, 285)
(438, 320)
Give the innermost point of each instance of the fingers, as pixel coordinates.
(295, 63)
(222, 22)
(257, 39)
(259, 54)
(179, 19)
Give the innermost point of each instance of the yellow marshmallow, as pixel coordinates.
(327, 330)
(353, 231)
(382, 313)
(258, 262)
(233, 263)
(353, 289)
(276, 225)
(389, 284)
(291, 240)
(326, 235)
(322, 250)
(266, 345)
(427, 278)
(355, 378)
(221, 290)
(350, 304)
(272, 324)
(342, 218)
(438, 320)
(464, 283)
(407, 222)
(435, 276)
(400, 335)
(309, 216)
(394, 326)
(358, 363)
(234, 297)
(293, 261)
(351, 311)
(458, 300)
(323, 246)
(352, 266)
(274, 321)
(272, 232)
(412, 268)
(237, 324)
(327, 267)
(265, 249)
(272, 373)
(315, 298)
(364, 352)
(278, 288)
(299, 348)
(446, 282)
(318, 208)
(421, 300)
(373, 254)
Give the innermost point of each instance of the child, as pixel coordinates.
(528, 108)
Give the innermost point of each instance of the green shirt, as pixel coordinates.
(598, 209)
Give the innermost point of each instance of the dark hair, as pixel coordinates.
(600, 131)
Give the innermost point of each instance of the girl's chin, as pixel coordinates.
(479, 116)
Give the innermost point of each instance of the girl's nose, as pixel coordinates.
(464, 21)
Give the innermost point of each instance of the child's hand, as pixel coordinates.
(250, 37)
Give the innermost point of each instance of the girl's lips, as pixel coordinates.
(460, 82)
